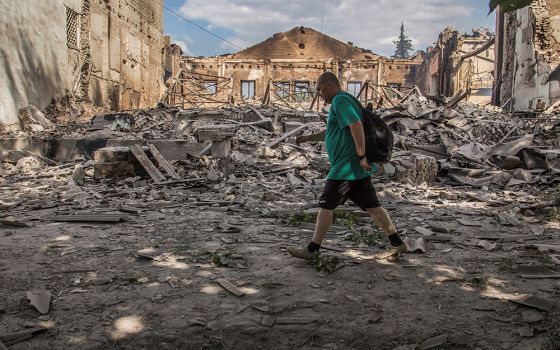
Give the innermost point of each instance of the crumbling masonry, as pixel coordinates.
(282, 70)
(107, 51)
(527, 51)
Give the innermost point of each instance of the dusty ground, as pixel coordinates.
(106, 296)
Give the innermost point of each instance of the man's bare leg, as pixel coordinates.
(382, 219)
(324, 221)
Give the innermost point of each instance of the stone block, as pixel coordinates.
(215, 132)
(220, 149)
(115, 162)
(114, 154)
(116, 170)
(170, 149)
(415, 168)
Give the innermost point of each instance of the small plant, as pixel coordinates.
(183, 247)
(480, 281)
(296, 219)
(552, 337)
(345, 218)
(362, 236)
(325, 262)
(270, 284)
(554, 214)
(221, 259)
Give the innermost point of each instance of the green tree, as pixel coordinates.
(509, 5)
(404, 45)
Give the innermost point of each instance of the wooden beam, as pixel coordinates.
(230, 287)
(479, 50)
(163, 162)
(313, 102)
(266, 94)
(147, 163)
(286, 135)
(361, 90)
(259, 114)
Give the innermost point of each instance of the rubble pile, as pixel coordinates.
(478, 146)
(214, 215)
(437, 140)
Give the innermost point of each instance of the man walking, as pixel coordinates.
(350, 172)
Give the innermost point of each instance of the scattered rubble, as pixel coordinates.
(179, 204)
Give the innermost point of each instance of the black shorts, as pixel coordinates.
(360, 192)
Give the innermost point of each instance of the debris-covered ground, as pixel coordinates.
(197, 259)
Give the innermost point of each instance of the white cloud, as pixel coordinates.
(184, 42)
(237, 43)
(371, 24)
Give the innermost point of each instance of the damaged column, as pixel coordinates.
(219, 137)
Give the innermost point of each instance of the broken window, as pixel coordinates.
(211, 86)
(282, 89)
(301, 90)
(72, 23)
(247, 89)
(354, 87)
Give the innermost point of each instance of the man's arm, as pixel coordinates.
(320, 136)
(357, 130)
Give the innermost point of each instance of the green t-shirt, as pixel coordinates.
(345, 164)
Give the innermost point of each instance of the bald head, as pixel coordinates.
(328, 77)
(328, 86)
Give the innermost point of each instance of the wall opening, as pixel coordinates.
(72, 26)
(353, 88)
(247, 89)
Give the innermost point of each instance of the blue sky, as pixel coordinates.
(371, 24)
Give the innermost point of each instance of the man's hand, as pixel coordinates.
(364, 163)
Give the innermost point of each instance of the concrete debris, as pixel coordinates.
(79, 175)
(487, 245)
(230, 287)
(32, 119)
(415, 245)
(433, 342)
(168, 188)
(533, 301)
(40, 299)
(16, 337)
(151, 207)
(454, 143)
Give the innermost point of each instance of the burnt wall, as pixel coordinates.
(126, 43)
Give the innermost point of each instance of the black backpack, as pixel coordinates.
(379, 138)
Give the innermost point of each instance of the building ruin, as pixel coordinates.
(108, 52)
(283, 69)
(459, 63)
(527, 51)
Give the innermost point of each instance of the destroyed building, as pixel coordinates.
(283, 69)
(109, 52)
(459, 63)
(167, 228)
(528, 51)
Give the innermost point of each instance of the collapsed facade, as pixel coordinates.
(283, 70)
(459, 63)
(528, 50)
(108, 52)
